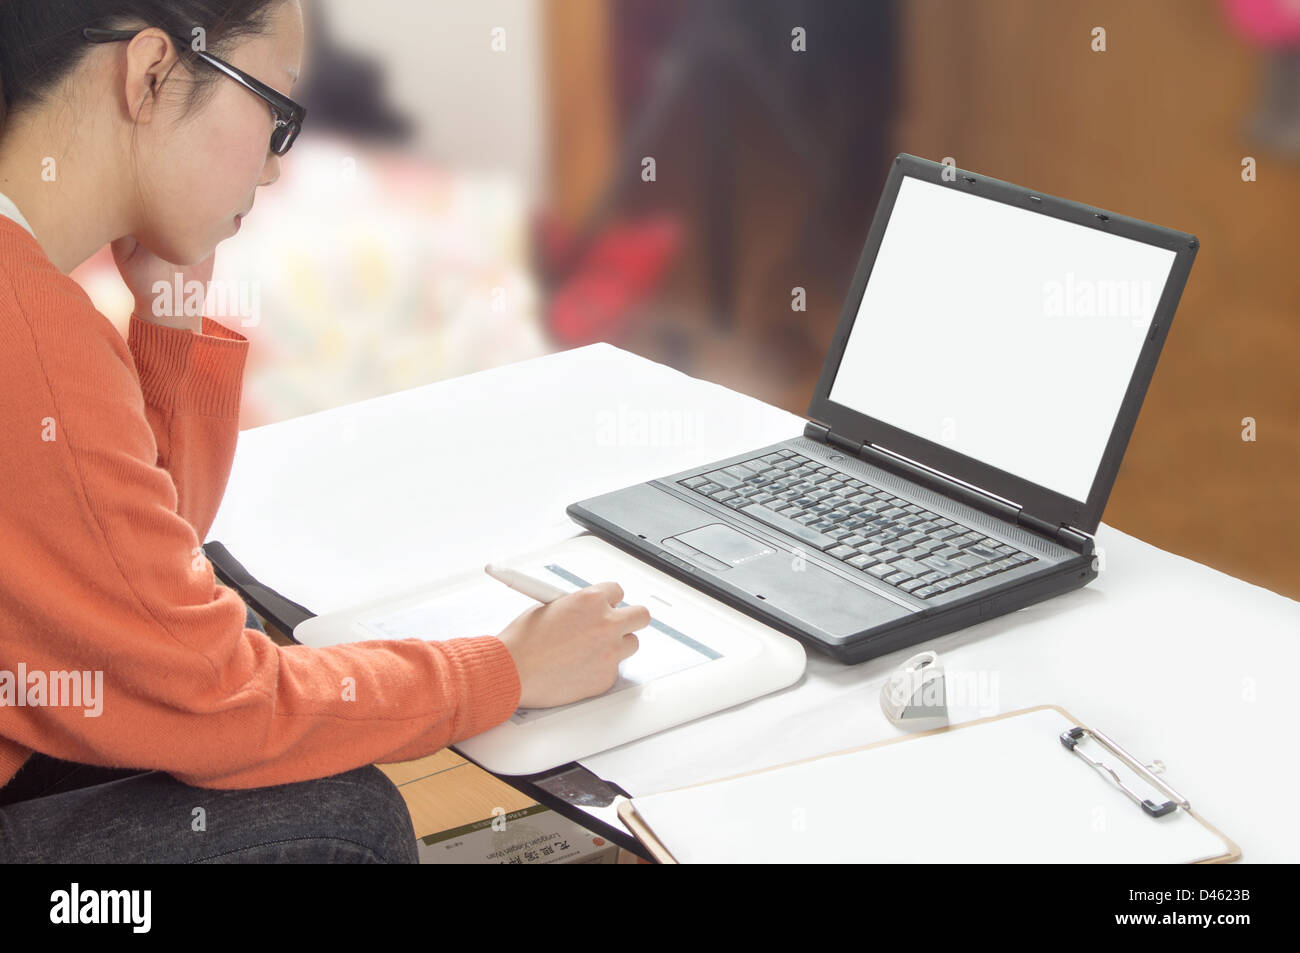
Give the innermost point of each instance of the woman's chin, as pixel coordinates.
(195, 256)
(182, 256)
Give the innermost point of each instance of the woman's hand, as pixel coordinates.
(569, 649)
(141, 270)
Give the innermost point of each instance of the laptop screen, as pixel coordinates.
(1001, 333)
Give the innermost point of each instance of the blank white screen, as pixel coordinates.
(1001, 333)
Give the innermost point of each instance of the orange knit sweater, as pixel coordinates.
(113, 459)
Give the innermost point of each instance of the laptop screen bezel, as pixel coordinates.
(1049, 505)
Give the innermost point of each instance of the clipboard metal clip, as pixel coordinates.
(1071, 738)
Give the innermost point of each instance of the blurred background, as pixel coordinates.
(469, 192)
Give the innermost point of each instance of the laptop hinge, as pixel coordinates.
(1065, 535)
(984, 502)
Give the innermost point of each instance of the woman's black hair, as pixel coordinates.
(41, 41)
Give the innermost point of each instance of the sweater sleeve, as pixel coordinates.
(192, 384)
(112, 580)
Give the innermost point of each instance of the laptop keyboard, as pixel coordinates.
(870, 529)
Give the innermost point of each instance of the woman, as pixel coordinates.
(144, 716)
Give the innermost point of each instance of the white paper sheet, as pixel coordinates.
(1001, 791)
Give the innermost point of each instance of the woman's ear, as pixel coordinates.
(150, 58)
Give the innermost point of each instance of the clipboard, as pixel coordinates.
(1069, 804)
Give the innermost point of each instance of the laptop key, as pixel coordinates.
(910, 566)
(942, 565)
(788, 526)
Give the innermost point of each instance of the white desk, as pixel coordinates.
(1175, 660)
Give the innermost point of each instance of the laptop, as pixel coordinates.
(965, 431)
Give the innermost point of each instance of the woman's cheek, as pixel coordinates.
(236, 151)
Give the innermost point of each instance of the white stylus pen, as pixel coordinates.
(530, 586)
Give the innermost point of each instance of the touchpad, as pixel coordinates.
(724, 543)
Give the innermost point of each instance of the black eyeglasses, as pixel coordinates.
(288, 114)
